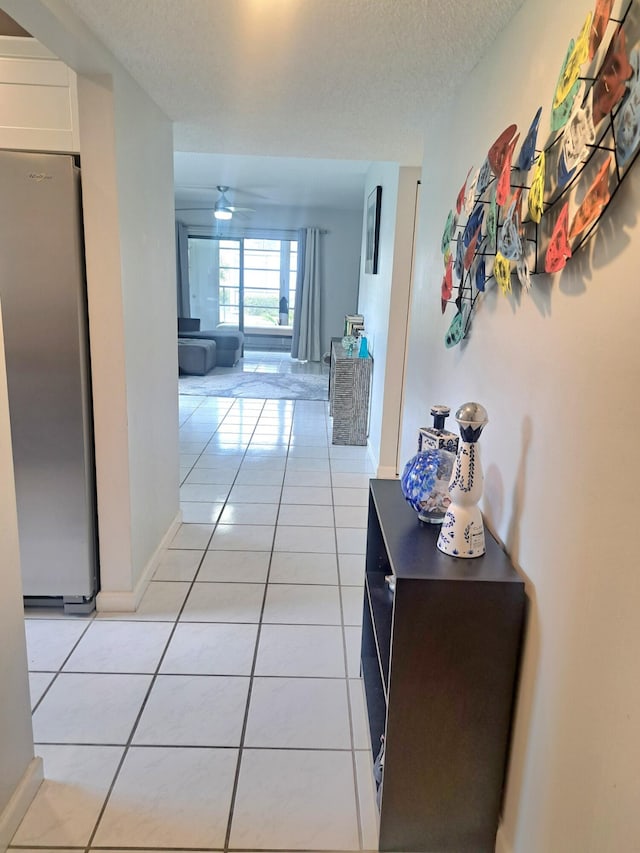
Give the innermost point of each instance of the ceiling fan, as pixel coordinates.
(222, 209)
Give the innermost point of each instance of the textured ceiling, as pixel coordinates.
(347, 79)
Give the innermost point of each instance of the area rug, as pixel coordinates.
(265, 386)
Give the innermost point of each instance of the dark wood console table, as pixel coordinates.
(439, 661)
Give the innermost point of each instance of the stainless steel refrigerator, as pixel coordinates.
(43, 299)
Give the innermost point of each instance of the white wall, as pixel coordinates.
(340, 257)
(147, 235)
(128, 190)
(558, 373)
(106, 330)
(383, 301)
(16, 739)
(128, 195)
(341, 267)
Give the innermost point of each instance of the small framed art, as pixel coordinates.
(374, 203)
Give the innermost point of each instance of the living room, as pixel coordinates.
(241, 272)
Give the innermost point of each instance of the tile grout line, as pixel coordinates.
(141, 710)
(177, 620)
(212, 434)
(143, 849)
(206, 674)
(62, 665)
(144, 702)
(236, 780)
(354, 766)
(225, 747)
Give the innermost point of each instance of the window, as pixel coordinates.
(229, 281)
(262, 280)
(242, 282)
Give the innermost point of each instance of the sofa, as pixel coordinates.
(229, 342)
(196, 357)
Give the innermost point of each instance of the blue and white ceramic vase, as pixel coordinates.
(426, 476)
(462, 532)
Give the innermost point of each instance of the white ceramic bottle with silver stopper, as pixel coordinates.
(462, 532)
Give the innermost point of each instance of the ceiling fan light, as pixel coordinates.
(222, 214)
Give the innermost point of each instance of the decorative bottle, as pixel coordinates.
(426, 475)
(462, 532)
(437, 436)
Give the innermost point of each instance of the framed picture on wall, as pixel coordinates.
(374, 203)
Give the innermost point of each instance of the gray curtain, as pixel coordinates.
(182, 270)
(295, 332)
(305, 344)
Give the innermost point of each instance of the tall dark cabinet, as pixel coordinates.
(439, 662)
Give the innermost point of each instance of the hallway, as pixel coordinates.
(227, 712)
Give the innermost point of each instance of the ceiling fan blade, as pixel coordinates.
(222, 203)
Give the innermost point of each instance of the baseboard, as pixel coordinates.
(128, 601)
(502, 845)
(372, 457)
(20, 801)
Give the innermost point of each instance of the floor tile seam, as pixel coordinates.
(257, 640)
(154, 849)
(182, 548)
(203, 849)
(55, 614)
(298, 850)
(152, 672)
(183, 621)
(315, 749)
(128, 746)
(275, 524)
(265, 622)
(46, 847)
(275, 582)
(295, 583)
(60, 668)
(140, 713)
(230, 747)
(176, 849)
(197, 455)
(125, 752)
(222, 509)
(143, 619)
(215, 432)
(259, 676)
(354, 766)
(236, 778)
(234, 791)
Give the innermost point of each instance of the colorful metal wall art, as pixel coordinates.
(529, 213)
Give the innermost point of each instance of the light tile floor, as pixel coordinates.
(227, 712)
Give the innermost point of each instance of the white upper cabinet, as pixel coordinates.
(38, 98)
